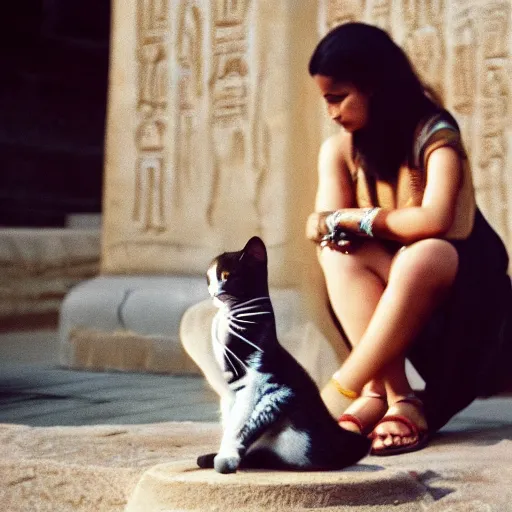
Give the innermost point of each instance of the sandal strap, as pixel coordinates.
(352, 419)
(399, 418)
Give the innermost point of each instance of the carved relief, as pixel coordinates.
(495, 113)
(150, 136)
(410, 13)
(343, 11)
(190, 91)
(230, 13)
(149, 200)
(424, 40)
(153, 75)
(425, 48)
(496, 20)
(189, 45)
(230, 81)
(464, 64)
(493, 149)
(153, 16)
(380, 14)
(229, 88)
(149, 188)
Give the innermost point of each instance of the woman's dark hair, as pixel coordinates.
(367, 58)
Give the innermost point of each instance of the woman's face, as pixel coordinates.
(346, 105)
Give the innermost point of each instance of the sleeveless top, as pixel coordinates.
(408, 189)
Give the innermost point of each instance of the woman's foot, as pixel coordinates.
(364, 413)
(402, 429)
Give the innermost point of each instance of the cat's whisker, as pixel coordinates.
(226, 355)
(256, 313)
(233, 323)
(236, 319)
(250, 304)
(226, 350)
(255, 307)
(251, 301)
(238, 359)
(244, 339)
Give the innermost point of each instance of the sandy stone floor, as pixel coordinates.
(79, 441)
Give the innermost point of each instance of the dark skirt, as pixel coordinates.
(465, 351)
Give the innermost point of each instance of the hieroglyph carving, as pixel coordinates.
(229, 90)
(464, 63)
(343, 11)
(190, 90)
(495, 113)
(380, 14)
(151, 52)
(424, 40)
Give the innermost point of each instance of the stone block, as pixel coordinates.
(38, 267)
(128, 323)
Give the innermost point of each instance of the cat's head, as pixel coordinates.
(239, 275)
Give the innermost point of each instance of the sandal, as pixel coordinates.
(421, 434)
(352, 418)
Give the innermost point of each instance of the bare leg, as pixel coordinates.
(355, 284)
(418, 279)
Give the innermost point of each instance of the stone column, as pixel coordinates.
(212, 135)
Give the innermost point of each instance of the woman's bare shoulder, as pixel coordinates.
(337, 149)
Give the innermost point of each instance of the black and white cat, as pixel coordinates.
(274, 416)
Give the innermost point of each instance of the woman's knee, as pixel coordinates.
(431, 261)
(369, 257)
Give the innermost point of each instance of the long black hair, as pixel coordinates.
(367, 58)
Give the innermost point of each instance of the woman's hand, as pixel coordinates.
(316, 228)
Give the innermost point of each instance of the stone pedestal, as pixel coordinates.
(185, 488)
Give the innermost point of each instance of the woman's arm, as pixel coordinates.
(435, 216)
(430, 220)
(335, 188)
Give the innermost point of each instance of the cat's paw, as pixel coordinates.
(206, 461)
(226, 465)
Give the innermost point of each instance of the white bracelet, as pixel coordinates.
(366, 222)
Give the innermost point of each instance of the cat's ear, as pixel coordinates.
(255, 248)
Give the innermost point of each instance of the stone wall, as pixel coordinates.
(214, 125)
(463, 50)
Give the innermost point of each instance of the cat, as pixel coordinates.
(274, 416)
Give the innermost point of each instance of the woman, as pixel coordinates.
(411, 266)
